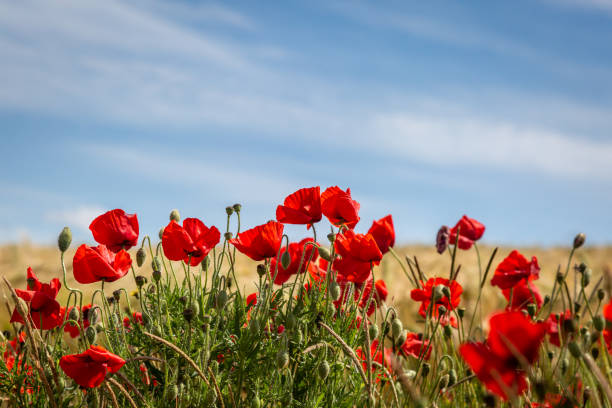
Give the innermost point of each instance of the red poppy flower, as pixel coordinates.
(89, 368)
(357, 252)
(115, 229)
(301, 207)
(513, 338)
(93, 264)
(339, 207)
(136, 318)
(296, 249)
(470, 231)
(416, 347)
(44, 310)
(522, 294)
(251, 300)
(383, 233)
(554, 322)
(425, 294)
(193, 240)
(260, 242)
(72, 329)
(379, 296)
(607, 311)
(514, 269)
(377, 356)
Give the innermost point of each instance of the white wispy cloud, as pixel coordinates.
(77, 217)
(602, 5)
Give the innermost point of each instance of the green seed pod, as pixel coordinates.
(335, 291)
(586, 278)
(285, 260)
(64, 239)
(595, 352)
(255, 402)
(172, 392)
(74, 314)
(438, 293)
(161, 232)
(574, 349)
(532, 309)
(569, 325)
(444, 381)
(140, 281)
(229, 210)
(324, 253)
(261, 270)
(282, 360)
(399, 341)
(175, 215)
(237, 207)
(331, 237)
(228, 235)
(441, 311)
(579, 240)
(155, 264)
(461, 312)
(99, 328)
(156, 275)
(452, 377)
(373, 331)
(91, 334)
(425, 369)
(447, 331)
(221, 299)
(323, 370)
(396, 328)
(550, 355)
(141, 255)
(601, 294)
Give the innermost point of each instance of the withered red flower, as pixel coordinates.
(522, 294)
(513, 340)
(89, 369)
(296, 251)
(44, 310)
(425, 296)
(115, 229)
(470, 231)
(301, 207)
(416, 347)
(260, 242)
(514, 269)
(193, 241)
(338, 206)
(383, 233)
(93, 264)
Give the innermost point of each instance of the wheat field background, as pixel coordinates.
(45, 261)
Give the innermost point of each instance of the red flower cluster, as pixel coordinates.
(513, 340)
(515, 268)
(89, 369)
(44, 310)
(191, 242)
(433, 290)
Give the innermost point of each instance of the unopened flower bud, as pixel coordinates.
(73, 314)
(221, 299)
(140, 281)
(447, 331)
(228, 235)
(64, 239)
(324, 253)
(188, 314)
(331, 237)
(444, 381)
(155, 264)
(323, 370)
(461, 312)
(574, 349)
(595, 352)
(285, 260)
(452, 377)
(442, 239)
(206, 318)
(601, 294)
(175, 215)
(99, 328)
(560, 277)
(586, 278)
(161, 232)
(546, 300)
(564, 365)
(425, 369)
(141, 255)
(173, 392)
(282, 360)
(156, 276)
(438, 293)
(373, 331)
(569, 326)
(229, 210)
(441, 311)
(261, 270)
(91, 334)
(396, 328)
(579, 240)
(532, 309)
(237, 207)
(255, 401)
(334, 290)
(581, 267)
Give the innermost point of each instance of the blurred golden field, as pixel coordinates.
(45, 261)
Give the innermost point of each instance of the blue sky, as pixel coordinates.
(427, 110)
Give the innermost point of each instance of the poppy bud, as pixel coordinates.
(229, 210)
(110, 300)
(141, 255)
(91, 334)
(577, 307)
(447, 331)
(188, 314)
(569, 325)
(228, 235)
(373, 331)
(586, 278)
(550, 355)
(601, 294)
(64, 239)
(579, 240)
(531, 309)
(140, 281)
(161, 232)
(442, 239)
(156, 276)
(324, 253)
(261, 270)
(441, 311)
(237, 207)
(599, 323)
(99, 328)
(444, 381)
(546, 300)
(282, 360)
(323, 370)
(396, 328)
(574, 349)
(93, 316)
(401, 339)
(73, 314)
(285, 260)
(438, 293)
(595, 352)
(172, 392)
(581, 267)
(155, 264)
(560, 277)
(255, 401)
(452, 377)
(331, 237)
(461, 312)
(331, 309)
(425, 369)
(335, 291)
(221, 299)
(175, 215)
